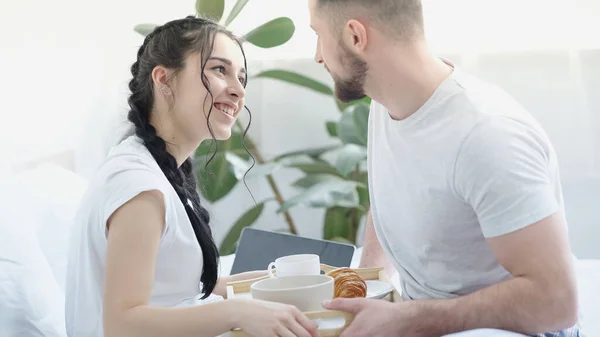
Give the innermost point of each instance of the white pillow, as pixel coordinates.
(31, 302)
(55, 194)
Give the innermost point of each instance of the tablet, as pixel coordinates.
(257, 248)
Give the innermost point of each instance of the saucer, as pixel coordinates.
(378, 289)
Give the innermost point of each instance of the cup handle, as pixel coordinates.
(269, 270)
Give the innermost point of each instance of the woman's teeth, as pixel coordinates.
(225, 108)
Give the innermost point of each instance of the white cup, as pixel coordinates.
(300, 264)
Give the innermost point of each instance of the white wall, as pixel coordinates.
(65, 65)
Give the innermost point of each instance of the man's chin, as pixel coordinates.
(345, 98)
(347, 92)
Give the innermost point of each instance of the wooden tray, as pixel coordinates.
(243, 288)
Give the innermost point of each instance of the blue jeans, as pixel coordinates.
(572, 332)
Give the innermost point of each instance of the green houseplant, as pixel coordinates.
(340, 187)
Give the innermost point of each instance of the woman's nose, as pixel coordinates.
(237, 90)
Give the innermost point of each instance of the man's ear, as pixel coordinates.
(355, 34)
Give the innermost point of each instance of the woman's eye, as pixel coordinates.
(220, 69)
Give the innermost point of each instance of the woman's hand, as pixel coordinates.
(271, 319)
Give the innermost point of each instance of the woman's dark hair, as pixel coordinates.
(169, 45)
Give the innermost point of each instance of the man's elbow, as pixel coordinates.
(569, 315)
(562, 305)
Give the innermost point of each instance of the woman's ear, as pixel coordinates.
(160, 78)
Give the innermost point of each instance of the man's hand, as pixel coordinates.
(540, 297)
(376, 318)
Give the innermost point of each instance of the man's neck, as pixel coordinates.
(403, 79)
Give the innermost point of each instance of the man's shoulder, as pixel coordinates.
(488, 98)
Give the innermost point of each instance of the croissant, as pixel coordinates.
(347, 283)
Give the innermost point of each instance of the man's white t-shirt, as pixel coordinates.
(128, 170)
(470, 164)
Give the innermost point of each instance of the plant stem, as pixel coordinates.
(278, 197)
(260, 160)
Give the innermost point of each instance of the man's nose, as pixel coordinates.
(318, 56)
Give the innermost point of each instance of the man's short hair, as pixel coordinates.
(403, 19)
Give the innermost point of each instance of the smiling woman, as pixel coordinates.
(143, 259)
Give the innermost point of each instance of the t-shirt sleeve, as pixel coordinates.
(504, 170)
(125, 184)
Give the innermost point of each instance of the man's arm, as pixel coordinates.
(372, 254)
(506, 171)
(541, 296)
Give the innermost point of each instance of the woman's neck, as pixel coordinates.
(177, 145)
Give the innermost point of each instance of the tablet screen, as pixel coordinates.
(257, 248)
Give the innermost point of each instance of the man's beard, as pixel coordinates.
(351, 88)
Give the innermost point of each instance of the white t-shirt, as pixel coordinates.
(470, 164)
(128, 170)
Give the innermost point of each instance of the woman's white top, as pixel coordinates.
(128, 170)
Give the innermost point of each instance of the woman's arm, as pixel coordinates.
(133, 240)
(134, 232)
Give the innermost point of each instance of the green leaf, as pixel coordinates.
(237, 8)
(241, 166)
(262, 170)
(363, 191)
(331, 128)
(210, 9)
(363, 196)
(336, 223)
(229, 243)
(313, 153)
(312, 179)
(315, 167)
(349, 157)
(234, 144)
(297, 79)
(361, 121)
(344, 106)
(144, 28)
(353, 126)
(218, 179)
(238, 164)
(272, 34)
(346, 129)
(326, 194)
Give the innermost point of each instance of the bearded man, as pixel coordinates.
(466, 200)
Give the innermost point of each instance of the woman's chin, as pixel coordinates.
(222, 133)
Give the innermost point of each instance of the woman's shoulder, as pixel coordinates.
(129, 169)
(130, 154)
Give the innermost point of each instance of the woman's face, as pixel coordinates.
(226, 74)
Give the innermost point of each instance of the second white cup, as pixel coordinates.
(299, 264)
